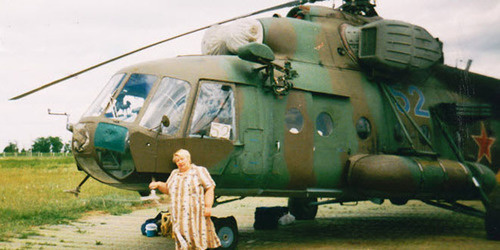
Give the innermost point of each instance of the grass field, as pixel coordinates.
(31, 194)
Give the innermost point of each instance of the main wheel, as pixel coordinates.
(227, 231)
(399, 201)
(300, 208)
(492, 218)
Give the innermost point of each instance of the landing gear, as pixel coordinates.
(76, 191)
(301, 208)
(492, 218)
(227, 230)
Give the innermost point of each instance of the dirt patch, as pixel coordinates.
(366, 225)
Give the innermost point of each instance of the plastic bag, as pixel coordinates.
(286, 219)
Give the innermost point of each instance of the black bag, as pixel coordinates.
(156, 220)
(267, 217)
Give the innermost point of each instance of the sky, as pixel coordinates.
(44, 40)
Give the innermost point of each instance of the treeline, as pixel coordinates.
(48, 144)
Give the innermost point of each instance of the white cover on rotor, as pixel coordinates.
(224, 40)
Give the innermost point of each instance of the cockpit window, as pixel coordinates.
(103, 98)
(214, 112)
(128, 103)
(170, 101)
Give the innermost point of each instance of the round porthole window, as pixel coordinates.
(363, 128)
(324, 124)
(294, 121)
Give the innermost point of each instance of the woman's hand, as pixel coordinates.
(208, 212)
(209, 201)
(162, 186)
(153, 185)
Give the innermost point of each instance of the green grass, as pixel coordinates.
(31, 194)
(36, 162)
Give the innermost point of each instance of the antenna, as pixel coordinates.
(69, 127)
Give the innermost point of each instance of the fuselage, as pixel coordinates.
(331, 135)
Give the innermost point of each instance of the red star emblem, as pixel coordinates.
(484, 142)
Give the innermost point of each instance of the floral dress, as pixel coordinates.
(191, 228)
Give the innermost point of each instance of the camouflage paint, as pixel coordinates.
(407, 177)
(298, 148)
(265, 158)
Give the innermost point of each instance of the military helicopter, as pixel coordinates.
(334, 103)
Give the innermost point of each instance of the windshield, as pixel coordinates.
(169, 100)
(103, 98)
(128, 103)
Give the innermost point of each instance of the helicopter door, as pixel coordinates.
(251, 160)
(331, 141)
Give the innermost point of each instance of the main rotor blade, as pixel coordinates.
(289, 4)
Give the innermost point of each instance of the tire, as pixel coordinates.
(227, 231)
(399, 201)
(492, 218)
(300, 208)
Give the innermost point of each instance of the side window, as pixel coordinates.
(294, 121)
(169, 100)
(324, 124)
(214, 112)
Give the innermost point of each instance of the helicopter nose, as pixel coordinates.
(112, 147)
(102, 149)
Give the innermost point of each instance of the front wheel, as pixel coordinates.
(227, 231)
(144, 193)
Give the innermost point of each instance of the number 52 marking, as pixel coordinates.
(418, 109)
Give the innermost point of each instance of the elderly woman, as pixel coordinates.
(191, 190)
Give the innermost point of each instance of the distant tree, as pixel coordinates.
(41, 144)
(11, 148)
(56, 144)
(48, 144)
(67, 147)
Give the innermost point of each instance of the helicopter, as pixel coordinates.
(332, 103)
